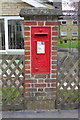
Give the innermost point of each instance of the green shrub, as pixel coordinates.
(61, 41)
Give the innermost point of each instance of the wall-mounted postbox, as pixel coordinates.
(40, 50)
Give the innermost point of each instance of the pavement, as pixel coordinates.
(41, 114)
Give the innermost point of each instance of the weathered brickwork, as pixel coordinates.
(12, 7)
(40, 87)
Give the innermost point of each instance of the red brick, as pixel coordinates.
(54, 52)
(50, 80)
(26, 33)
(55, 43)
(54, 38)
(27, 71)
(54, 48)
(32, 85)
(40, 23)
(51, 23)
(27, 62)
(30, 23)
(27, 57)
(40, 81)
(26, 28)
(26, 43)
(54, 71)
(53, 84)
(54, 76)
(27, 76)
(27, 48)
(48, 85)
(54, 67)
(55, 33)
(27, 85)
(54, 28)
(27, 66)
(27, 39)
(40, 85)
(30, 81)
(56, 18)
(54, 57)
(54, 62)
(27, 53)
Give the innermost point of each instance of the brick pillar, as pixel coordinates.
(40, 89)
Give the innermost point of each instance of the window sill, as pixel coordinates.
(12, 51)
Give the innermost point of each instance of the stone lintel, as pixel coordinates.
(40, 11)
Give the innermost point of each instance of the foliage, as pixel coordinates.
(69, 43)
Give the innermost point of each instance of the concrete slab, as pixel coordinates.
(41, 114)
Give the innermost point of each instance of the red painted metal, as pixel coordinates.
(40, 50)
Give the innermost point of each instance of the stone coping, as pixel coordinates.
(40, 11)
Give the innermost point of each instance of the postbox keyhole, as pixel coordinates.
(36, 56)
(36, 69)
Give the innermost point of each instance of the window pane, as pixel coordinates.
(16, 34)
(63, 33)
(75, 22)
(64, 22)
(2, 35)
(75, 33)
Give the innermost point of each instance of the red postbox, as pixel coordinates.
(40, 50)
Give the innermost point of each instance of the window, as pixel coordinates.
(63, 22)
(63, 33)
(74, 22)
(2, 35)
(15, 34)
(74, 33)
(11, 33)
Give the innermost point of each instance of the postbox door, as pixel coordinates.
(40, 52)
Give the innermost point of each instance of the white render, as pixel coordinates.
(34, 3)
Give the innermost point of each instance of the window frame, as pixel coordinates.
(74, 35)
(4, 33)
(73, 21)
(7, 50)
(63, 35)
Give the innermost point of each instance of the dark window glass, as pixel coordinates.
(16, 34)
(2, 35)
(75, 22)
(64, 22)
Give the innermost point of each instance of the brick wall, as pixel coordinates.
(0, 8)
(40, 90)
(12, 7)
(69, 28)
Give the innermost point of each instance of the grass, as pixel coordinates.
(10, 93)
(74, 43)
(72, 104)
(13, 96)
(16, 93)
(71, 95)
